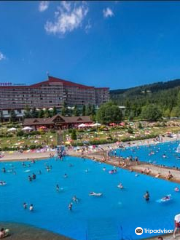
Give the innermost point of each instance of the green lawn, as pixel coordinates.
(50, 138)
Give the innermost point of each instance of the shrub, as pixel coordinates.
(127, 139)
(70, 131)
(73, 135)
(9, 135)
(53, 131)
(130, 130)
(20, 133)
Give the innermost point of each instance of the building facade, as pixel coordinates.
(56, 122)
(50, 93)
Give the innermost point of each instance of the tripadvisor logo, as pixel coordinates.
(139, 231)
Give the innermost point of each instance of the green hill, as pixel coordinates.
(165, 95)
(149, 88)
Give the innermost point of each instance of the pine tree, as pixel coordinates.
(27, 112)
(13, 116)
(41, 113)
(84, 110)
(76, 111)
(34, 113)
(54, 112)
(73, 134)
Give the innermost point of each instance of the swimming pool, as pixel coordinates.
(113, 216)
(159, 154)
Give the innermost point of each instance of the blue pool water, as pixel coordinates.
(144, 153)
(113, 216)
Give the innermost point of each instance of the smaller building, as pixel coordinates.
(56, 122)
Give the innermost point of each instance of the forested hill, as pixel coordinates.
(165, 95)
(154, 87)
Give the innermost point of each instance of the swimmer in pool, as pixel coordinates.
(70, 206)
(31, 208)
(147, 196)
(75, 199)
(25, 205)
(57, 187)
(120, 186)
(176, 189)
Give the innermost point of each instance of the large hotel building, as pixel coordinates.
(50, 93)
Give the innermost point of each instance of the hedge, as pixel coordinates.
(17, 148)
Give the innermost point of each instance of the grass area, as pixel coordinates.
(102, 134)
(47, 138)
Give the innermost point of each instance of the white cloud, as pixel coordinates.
(2, 56)
(68, 17)
(108, 13)
(66, 5)
(88, 26)
(43, 6)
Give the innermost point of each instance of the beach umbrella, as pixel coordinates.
(11, 130)
(96, 124)
(42, 127)
(82, 125)
(112, 124)
(27, 129)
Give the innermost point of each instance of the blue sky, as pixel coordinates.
(105, 44)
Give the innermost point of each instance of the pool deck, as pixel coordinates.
(165, 237)
(27, 232)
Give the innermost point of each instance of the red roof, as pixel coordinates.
(52, 79)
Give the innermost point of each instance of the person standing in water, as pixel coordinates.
(70, 206)
(57, 187)
(147, 196)
(31, 208)
(24, 205)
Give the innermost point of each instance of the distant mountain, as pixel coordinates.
(142, 90)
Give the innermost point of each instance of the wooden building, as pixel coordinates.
(56, 122)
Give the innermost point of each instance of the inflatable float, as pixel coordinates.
(166, 198)
(95, 194)
(2, 183)
(112, 171)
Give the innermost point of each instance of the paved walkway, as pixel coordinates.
(165, 237)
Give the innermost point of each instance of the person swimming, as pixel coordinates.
(75, 199)
(31, 208)
(70, 206)
(120, 186)
(34, 176)
(25, 205)
(176, 189)
(2, 183)
(147, 196)
(30, 178)
(166, 198)
(57, 187)
(65, 175)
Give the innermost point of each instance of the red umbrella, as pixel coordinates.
(112, 124)
(42, 127)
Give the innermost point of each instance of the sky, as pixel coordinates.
(118, 44)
